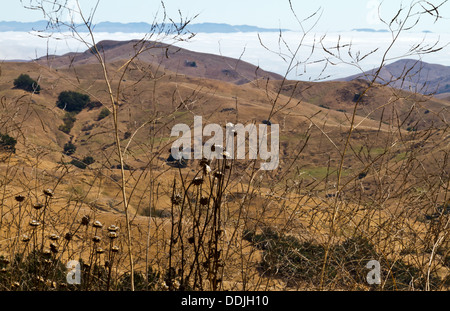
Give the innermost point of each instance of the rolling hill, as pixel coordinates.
(166, 57)
(411, 75)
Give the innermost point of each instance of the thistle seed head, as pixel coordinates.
(35, 223)
(198, 181)
(20, 198)
(68, 236)
(54, 237)
(113, 228)
(38, 206)
(112, 235)
(97, 224)
(204, 201)
(25, 238)
(85, 220)
(48, 192)
(177, 199)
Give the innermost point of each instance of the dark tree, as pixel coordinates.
(7, 143)
(72, 101)
(25, 82)
(69, 148)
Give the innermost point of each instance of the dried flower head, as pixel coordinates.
(204, 201)
(20, 198)
(53, 248)
(25, 238)
(113, 228)
(38, 206)
(115, 249)
(112, 235)
(226, 155)
(218, 175)
(97, 224)
(177, 199)
(85, 220)
(96, 239)
(53, 237)
(198, 181)
(48, 192)
(191, 240)
(68, 236)
(35, 223)
(99, 250)
(204, 162)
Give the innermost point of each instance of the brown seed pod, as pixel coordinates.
(99, 250)
(113, 235)
(191, 240)
(97, 224)
(113, 228)
(115, 249)
(48, 192)
(177, 199)
(85, 220)
(54, 237)
(96, 239)
(25, 238)
(20, 198)
(38, 206)
(34, 223)
(53, 248)
(204, 201)
(218, 175)
(68, 236)
(198, 181)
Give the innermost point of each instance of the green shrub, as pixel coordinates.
(25, 82)
(7, 143)
(103, 114)
(69, 120)
(72, 101)
(69, 148)
(78, 164)
(83, 164)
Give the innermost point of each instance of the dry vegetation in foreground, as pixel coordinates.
(363, 175)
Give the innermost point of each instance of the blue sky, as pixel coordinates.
(336, 21)
(336, 15)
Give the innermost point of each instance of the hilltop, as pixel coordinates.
(419, 76)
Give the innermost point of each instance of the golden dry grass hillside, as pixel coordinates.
(363, 175)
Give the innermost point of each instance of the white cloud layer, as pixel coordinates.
(247, 46)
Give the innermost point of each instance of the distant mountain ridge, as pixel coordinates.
(139, 27)
(419, 76)
(167, 57)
